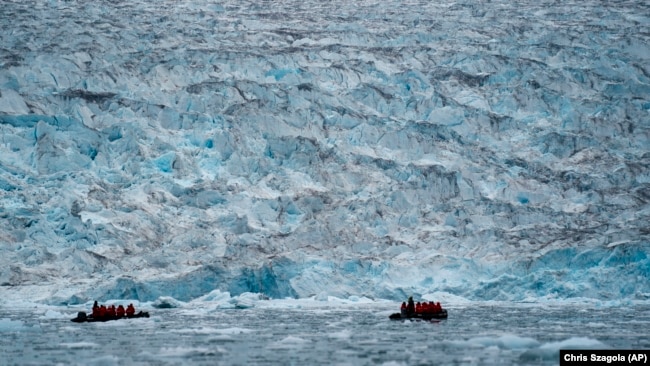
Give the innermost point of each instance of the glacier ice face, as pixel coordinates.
(489, 151)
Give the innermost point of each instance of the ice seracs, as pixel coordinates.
(488, 151)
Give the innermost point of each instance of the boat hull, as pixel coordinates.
(83, 318)
(430, 316)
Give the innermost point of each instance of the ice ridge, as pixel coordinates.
(488, 150)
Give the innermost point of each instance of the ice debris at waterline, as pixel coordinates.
(318, 333)
(488, 150)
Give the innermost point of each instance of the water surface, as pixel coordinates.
(352, 335)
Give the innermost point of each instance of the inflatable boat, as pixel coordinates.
(82, 317)
(420, 316)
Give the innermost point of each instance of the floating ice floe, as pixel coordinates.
(551, 350)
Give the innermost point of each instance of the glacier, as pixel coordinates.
(484, 150)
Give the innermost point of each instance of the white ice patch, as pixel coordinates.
(506, 341)
(215, 296)
(233, 331)
(79, 345)
(189, 351)
(342, 334)
(245, 300)
(8, 325)
(202, 330)
(52, 314)
(290, 342)
(551, 350)
(446, 298)
(108, 360)
(575, 343)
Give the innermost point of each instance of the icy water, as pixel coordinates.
(360, 335)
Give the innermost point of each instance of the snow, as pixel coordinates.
(453, 150)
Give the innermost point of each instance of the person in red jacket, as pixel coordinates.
(102, 311)
(120, 312)
(418, 308)
(112, 311)
(403, 308)
(130, 310)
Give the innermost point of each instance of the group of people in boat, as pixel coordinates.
(420, 307)
(103, 311)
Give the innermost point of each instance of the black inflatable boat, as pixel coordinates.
(420, 316)
(82, 317)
